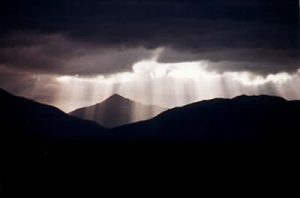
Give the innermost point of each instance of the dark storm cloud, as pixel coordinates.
(55, 54)
(258, 35)
(259, 60)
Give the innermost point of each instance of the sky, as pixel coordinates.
(74, 53)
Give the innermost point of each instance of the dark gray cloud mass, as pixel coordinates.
(56, 54)
(104, 36)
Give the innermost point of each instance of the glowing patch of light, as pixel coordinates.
(64, 79)
(250, 79)
(154, 69)
(114, 78)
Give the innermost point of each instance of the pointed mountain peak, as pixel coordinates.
(116, 97)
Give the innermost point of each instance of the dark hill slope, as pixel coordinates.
(21, 117)
(244, 118)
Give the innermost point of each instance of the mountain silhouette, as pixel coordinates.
(244, 118)
(45, 150)
(116, 111)
(25, 118)
(241, 119)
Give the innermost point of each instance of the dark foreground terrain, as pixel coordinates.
(241, 143)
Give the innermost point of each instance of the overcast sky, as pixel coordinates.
(43, 41)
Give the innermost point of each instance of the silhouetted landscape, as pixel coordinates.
(244, 118)
(38, 135)
(257, 119)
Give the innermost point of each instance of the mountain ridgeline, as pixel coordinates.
(244, 118)
(116, 111)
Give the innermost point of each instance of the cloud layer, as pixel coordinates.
(96, 36)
